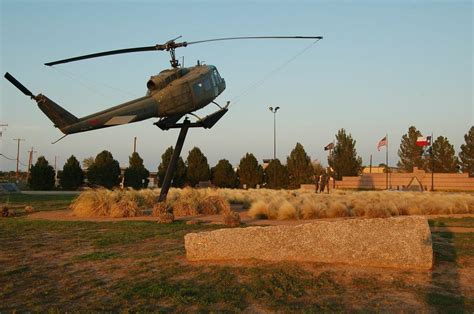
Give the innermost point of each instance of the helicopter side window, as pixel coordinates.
(207, 84)
(197, 88)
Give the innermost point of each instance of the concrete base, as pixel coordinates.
(401, 242)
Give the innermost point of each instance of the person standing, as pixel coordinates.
(316, 183)
(322, 183)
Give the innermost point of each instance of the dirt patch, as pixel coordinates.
(68, 215)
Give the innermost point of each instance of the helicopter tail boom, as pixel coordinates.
(57, 114)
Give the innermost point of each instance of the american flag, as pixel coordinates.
(382, 142)
(329, 146)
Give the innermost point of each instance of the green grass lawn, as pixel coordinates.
(141, 266)
(18, 201)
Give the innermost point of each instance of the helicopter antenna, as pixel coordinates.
(170, 46)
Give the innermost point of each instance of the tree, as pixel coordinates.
(276, 175)
(344, 160)
(250, 173)
(318, 169)
(300, 170)
(443, 158)
(105, 170)
(136, 175)
(223, 175)
(179, 174)
(410, 154)
(41, 175)
(198, 168)
(87, 162)
(466, 155)
(72, 175)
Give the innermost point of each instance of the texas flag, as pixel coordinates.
(423, 141)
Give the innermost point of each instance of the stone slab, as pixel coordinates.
(400, 242)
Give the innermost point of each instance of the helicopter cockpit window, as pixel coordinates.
(216, 75)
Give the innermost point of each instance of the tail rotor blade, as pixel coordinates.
(18, 85)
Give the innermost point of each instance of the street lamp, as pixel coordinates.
(274, 111)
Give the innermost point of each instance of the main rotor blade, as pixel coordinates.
(254, 37)
(105, 53)
(18, 85)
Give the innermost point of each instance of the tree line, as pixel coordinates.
(104, 170)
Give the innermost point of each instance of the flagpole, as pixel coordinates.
(386, 161)
(432, 163)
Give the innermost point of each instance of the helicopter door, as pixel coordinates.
(181, 95)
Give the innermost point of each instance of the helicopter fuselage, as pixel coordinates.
(171, 93)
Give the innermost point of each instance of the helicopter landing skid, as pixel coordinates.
(207, 123)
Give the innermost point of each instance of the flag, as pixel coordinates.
(382, 142)
(329, 146)
(423, 141)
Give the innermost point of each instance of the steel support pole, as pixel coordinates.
(274, 135)
(174, 161)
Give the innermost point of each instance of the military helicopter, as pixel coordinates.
(172, 94)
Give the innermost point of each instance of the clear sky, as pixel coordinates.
(381, 67)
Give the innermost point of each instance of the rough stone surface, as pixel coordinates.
(401, 242)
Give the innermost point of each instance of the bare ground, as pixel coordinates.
(62, 272)
(68, 215)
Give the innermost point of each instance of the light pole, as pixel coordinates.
(274, 111)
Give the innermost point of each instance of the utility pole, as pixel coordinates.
(370, 169)
(274, 111)
(1, 129)
(18, 156)
(135, 144)
(386, 161)
(55, 170)
(30, 162)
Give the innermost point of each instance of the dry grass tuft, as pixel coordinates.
(231, 219)
(273, 204)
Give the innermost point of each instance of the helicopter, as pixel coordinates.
(171, 94)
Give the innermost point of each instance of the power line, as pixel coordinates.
(12, 159)
(260, 82)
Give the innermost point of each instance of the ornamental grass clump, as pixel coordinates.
(231, 219)
(301, 204)
(93, 203)
(126, 204)
(106, 203)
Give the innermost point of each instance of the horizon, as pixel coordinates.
(381, 68)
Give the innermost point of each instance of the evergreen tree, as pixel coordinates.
(179, 174)
(136, 175)
(344, 160)
(223, 175)
(41, 175)
(250, 173)
(72, 176)
(443, 158)
(300, 170)
(198, 168)
(276, 175)
(410, 154)
(105, 170)
(466, 155)
(318, 169)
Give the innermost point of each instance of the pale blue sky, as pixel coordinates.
(381, 67)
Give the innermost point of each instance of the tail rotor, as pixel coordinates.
(20, 86)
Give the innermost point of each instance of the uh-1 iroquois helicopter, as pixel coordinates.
(172, 94)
